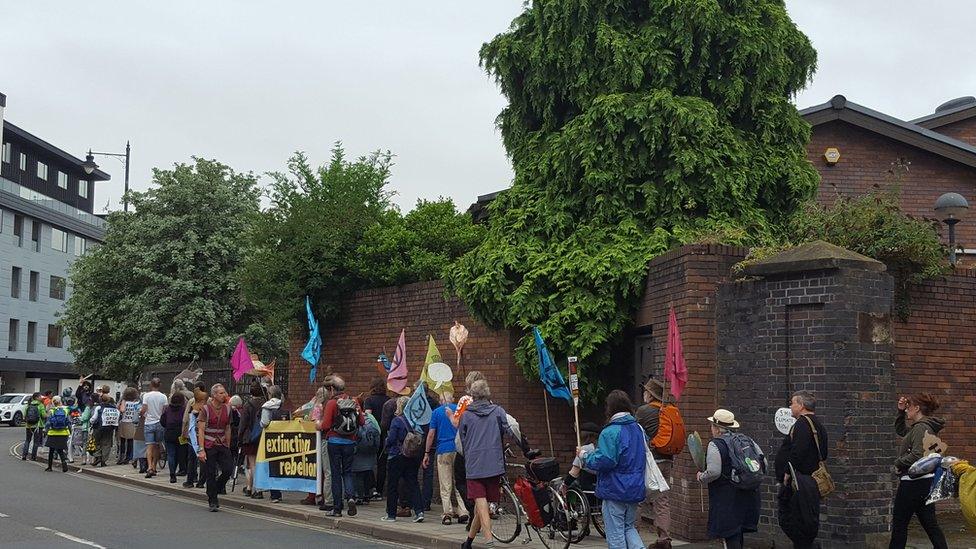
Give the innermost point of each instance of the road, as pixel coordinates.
(66, 510)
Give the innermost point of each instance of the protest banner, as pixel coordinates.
(288, 457)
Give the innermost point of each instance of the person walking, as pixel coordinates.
(214, 429)
(732, 510)
(249, 434)
(274, 410)
(913, 422)
(440, 445)
(374, 404)
(619, 460)
(401, 468)
(104, 422)
(129, 410)
(803, 449)
(172, 422)
(649, 417)
(314, 413)
(58, 431)
(34, 419)
(341, 420)
(364, 461)
(153, 403)
(190, 415)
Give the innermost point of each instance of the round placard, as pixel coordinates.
(784, 420)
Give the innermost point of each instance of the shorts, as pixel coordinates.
(489, 488)
(155, 433)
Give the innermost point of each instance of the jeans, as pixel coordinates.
(399, 467)
(618, 521)
(910, 500)
(218, 456)
(32, 434)
(125, 453)
(427, 493)
(340, 460)
(172, 457)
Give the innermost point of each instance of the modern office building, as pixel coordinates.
(46, 223)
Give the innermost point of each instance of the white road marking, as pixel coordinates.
(4, 516)
(69, 537)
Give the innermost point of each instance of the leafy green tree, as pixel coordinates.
(165, 285)
(631, 126)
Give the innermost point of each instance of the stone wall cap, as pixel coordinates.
(812, 256)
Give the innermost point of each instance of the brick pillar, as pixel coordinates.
(818, 319)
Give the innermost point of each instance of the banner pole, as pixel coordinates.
(545, 398)
(574, 388)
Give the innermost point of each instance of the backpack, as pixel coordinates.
(58, 419)
(413, 443)
(369, 439)
(347, 417)
(110, 416)
(748, 463)
(33, 416)
(671, 435)
(254, 435)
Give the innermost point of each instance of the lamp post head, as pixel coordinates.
(89, 164)
(951, 206)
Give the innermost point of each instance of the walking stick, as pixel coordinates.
(237, 468)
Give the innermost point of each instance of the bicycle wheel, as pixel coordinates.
(596, 519)
(576, 517)
(506, 517)
(562, 522)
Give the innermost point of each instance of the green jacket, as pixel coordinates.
(912, 449)
(40, 410)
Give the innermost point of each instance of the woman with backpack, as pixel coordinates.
(172, 422)
(104, 422)
(129, 408)
(274, 410)
(735, 467)
(249, 434)
(404, 463)
(364, 462)
(58, 431)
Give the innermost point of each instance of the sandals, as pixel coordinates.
(446, 520)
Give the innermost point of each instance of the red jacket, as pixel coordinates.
(330, 414)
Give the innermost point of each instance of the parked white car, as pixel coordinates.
(13, 408)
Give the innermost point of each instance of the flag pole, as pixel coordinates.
(545, 398)
(574, 388)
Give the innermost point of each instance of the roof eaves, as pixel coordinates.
(939, 119)
(97, 175)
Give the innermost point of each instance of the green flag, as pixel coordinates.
(436, 374)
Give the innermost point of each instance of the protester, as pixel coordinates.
(172, 422)
(153, 403)
(249, 434)
(214, 429)
(378, 397)
(83, 396)
(401, 467)
(139, 446)
(129, 408)
(34, 419)
(364, 461)
(47, 399)
(190, 414)
(913, 422)
(802, 450)
(440, 444)
(427, 473)
(104, 422)
(314, 413)
(179, 386)
(649, 417)
(273, 410)
(84, 425)
(732, 511)
(58, 431)
(341, 419)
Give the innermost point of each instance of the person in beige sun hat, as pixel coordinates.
(724, 419)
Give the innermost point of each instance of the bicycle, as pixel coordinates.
(509, 514)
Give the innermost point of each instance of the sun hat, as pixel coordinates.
(655, 388)
(724, 418)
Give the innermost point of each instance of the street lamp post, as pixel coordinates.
(90, 166)
(951, 206)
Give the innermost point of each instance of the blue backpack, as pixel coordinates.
(58, 420)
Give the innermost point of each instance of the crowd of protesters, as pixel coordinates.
(371, 452)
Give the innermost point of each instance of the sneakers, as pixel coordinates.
(325, 507)
(213, 507)
(275, 500)
(351, 503)
(335, 513)
(387, 518)
(419, 517)
(188, 484)
(172, 479)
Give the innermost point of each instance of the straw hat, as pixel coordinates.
(655, 388)
(724, 418)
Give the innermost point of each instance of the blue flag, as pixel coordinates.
(417, 411)
(548, 372)
(313, 349)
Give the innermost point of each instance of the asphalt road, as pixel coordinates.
(65, 510)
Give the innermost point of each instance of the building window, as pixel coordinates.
(42, 171)
(36, 236)
(59, 240)
(23, 162)
(6, 153)
(81, 246)
(57, 288)
(19, 230)
(31, 336)
(62, 180)
(12, 334)
(15, 282)
(55, 337)
(82, 188)
(32, 290)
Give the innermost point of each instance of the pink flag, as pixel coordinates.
(240, 361)
(675, 370)
(396, 380)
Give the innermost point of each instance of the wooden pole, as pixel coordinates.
(545, 398)
(574, 390)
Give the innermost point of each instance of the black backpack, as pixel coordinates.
(748, 463)
(33, 416)
(347, 416)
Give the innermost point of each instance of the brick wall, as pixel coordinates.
(963, 130)
(865, 159)
(934, 352)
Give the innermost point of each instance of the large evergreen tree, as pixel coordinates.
(632, 125)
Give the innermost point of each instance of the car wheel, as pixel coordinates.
(17, 421)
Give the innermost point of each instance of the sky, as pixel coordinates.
(248, 82)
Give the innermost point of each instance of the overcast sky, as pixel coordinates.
(249, 82)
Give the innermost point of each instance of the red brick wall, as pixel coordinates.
(865, 159)
(935, 352)
(963, 130)
(687, 279)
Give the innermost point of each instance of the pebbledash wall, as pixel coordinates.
(932, 351)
